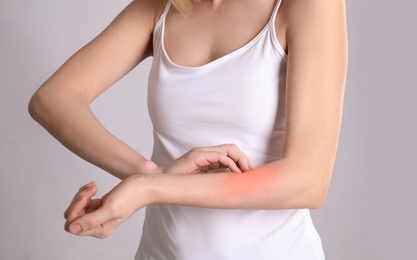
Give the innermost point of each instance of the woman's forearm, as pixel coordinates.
(67, 116)
(277, 185)
(273, 186)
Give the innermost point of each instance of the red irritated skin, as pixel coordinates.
(278, 185)
(248, 184)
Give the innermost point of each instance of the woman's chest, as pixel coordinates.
(208, 34)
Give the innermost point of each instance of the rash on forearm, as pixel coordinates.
(251, 187)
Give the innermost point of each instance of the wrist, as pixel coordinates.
(148, 167)
(146, 186)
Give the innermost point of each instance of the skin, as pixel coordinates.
(313, 32)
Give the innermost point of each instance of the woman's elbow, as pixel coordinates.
(35, 106)
(316, 201)
(49, 100)
(43, 103)
(311, 193)
(300, 188)
(316, 196)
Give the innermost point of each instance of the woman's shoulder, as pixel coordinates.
(302, 9)
(312, 13)
(150, 8)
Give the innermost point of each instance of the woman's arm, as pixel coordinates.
(61, 105)
(317, 61)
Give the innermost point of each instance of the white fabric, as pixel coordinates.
(238, 98)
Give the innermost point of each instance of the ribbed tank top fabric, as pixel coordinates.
(238, 98)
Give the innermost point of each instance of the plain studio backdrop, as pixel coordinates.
(370, 210)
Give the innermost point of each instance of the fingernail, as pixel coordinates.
(89, 186)
(76, 228)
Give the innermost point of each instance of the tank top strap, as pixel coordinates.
(272, 30)
(274, 13)
(158, 29)
(167, 6)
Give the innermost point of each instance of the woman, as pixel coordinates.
(256, 85)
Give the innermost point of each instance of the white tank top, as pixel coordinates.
(238, 98)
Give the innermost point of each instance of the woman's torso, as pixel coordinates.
(216, 96)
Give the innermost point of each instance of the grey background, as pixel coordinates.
(369, 212)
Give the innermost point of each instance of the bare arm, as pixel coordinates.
(317, 62)
(61, 105)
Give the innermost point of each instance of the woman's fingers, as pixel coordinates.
(233, 152)
(204, 159)
(214, 160)
(80, 201)
(94, 205)
(238, 156)
(100, 223)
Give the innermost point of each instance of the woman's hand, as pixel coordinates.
(204, 159)
(100, 217)
(81, 204)
(86, 216)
